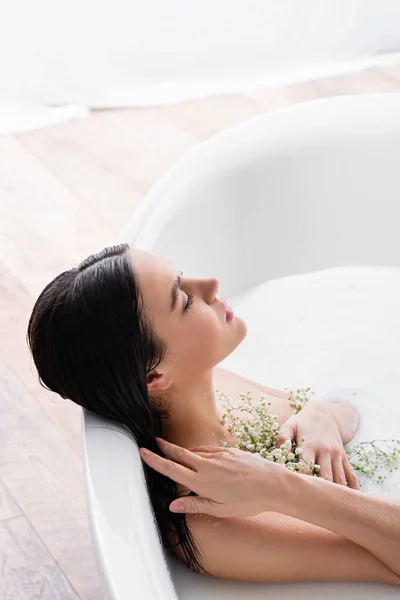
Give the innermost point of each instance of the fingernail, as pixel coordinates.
(144, 451)
(158, 440)
(177, 507)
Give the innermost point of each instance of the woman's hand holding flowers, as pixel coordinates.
(319, 425)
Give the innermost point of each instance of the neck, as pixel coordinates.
(194, 419)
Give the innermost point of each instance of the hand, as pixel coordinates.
(229, 482)
(323, 442)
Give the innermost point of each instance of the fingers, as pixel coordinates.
(350, 475)
(339, 475)
(207, 454)
(308, 455)
(170, 469)
(325, 471)
(286, 432)
(179, 454)
(338, 470)
(195, 505)
(211, 449)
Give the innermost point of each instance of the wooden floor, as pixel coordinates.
(66, 192)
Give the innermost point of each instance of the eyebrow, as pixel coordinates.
(175, 292)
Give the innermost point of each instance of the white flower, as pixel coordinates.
(260, 436)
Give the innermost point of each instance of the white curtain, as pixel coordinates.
(114, 53)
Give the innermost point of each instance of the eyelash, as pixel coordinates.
(190, 297)
(190, 300)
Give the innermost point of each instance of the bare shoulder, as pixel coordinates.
(272, 547)
(225, 378)
(231, 384)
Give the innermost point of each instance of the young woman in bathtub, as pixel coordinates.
(125, 337)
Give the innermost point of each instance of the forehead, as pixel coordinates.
(155, 273)
(147, 262)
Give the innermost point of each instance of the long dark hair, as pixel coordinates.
(92, 343)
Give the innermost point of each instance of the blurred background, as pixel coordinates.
(97, 101)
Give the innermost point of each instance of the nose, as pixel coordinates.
(212, 289)
(207, 287)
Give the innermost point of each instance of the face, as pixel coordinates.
(195, 331)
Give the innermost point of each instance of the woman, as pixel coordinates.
(124, 336)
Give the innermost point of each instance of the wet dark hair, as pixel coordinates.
(92, 343)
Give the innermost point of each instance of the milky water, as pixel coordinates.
(336, 331)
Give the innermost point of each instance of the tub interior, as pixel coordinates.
(335, 330)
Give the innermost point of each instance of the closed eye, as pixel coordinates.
(190, 300)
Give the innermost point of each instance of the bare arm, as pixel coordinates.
(272, 547)
(343, 533)
(231, 483)
(370, 522)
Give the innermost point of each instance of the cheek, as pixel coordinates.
(202, 339)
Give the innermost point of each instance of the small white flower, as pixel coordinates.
(260, 436)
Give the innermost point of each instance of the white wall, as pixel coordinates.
(129, 53)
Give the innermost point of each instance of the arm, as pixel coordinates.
(370, 522)
(272, 547)
(308, 528)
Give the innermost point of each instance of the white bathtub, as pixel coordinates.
(305, 189)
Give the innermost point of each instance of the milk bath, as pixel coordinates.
(336, 331)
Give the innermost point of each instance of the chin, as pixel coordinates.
(240, 330)
(243, 328)
(232, 337)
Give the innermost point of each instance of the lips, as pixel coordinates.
(228, 311)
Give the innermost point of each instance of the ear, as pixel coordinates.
(157, 381)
